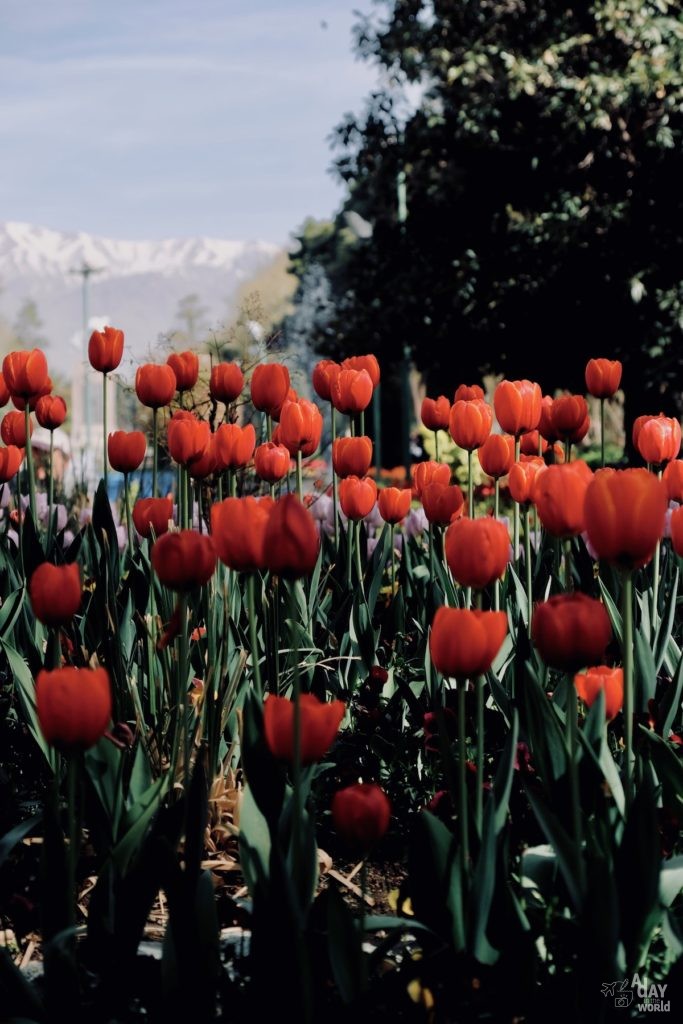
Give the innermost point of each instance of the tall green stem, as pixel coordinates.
(155, 452)
(527, 564)
(299, 477)
(393, 560)
(359, 566)
(253, 636)
(463, 816)
(104, 430)
(515, 521)
(296, 765)
(496, 513)
(602, 433)
(627, 658)
(470, 486)
(349, 555)
(51, 487)
(181, 703)
(479, 809)
(335, 482)
(571, 721)
(29, 464)
(126, 498)
(436, 445)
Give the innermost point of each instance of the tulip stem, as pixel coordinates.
(462, 777)
(29, 464)
(479, 809)
(515, 521)
(568, 574)
(359, 566)
(470, 486)
(73, 825)
(527, 565)
(349, 554)
(571, 717)
(299, 477)
(436, 445)
(496, 513)
(126, 498)
(155, 444)
(655, 585)
(335, 482)
(431, 551)
(602, 433)
(253, 638)
(51, 488)
(104, 429)
(627, 658)
(296, 766)
(393, 560)
(181, 708)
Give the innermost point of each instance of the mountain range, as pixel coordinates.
(137, 287)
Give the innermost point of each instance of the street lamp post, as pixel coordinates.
(86, 271)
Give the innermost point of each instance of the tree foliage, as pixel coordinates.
(543, 166)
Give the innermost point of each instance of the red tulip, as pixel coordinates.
(560, 496)
(207, 463)
(468, 392)
(522, 478)
(442, 502)
(238, 528)
(234, 445)
(657, 438)
(571, 631)
(50, 411)
(152, 514)
(126, 450)
(73, 706)
(357, 496)
(477, 551)
(105, 349)
(184, 560)
(368, 363)
(351, 456)
(394, 504)
(546, 427)
(226, 383)
(301, 425)
(4, 392)
(518, 406)
(272, 462)
(603, 377)
(423, 473)
(188, 439)
(361, 814)
(532, 443)
(269, 387)
(435, 413)
(155, 384)
(20, 403)
(676, 530)
(463, 643)
(351, 390)
(610, 680)
(673, 480)
(185, 366)
(10, 461)
(292, 542)
(55, 593)
(324, 373)
(25, 372)
(319, 725)
(497, 454)
(13, 429)
(470, 423)
(568, 414)
(625, 511)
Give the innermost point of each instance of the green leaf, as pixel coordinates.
(562, 844)
(670, 704)
(346, 952)
(26, 691)
(612, 611)
(646, 673)
(255, 843)
(15, 835)
(671, 880)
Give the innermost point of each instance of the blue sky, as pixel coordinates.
(170, 118)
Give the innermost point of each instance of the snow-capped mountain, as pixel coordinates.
(137, 287)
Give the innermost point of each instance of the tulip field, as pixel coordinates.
(308, 737)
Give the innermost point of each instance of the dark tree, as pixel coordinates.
(544, 170)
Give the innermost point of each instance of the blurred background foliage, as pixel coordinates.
(541, 213)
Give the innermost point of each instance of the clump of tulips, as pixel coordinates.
(490, 697)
